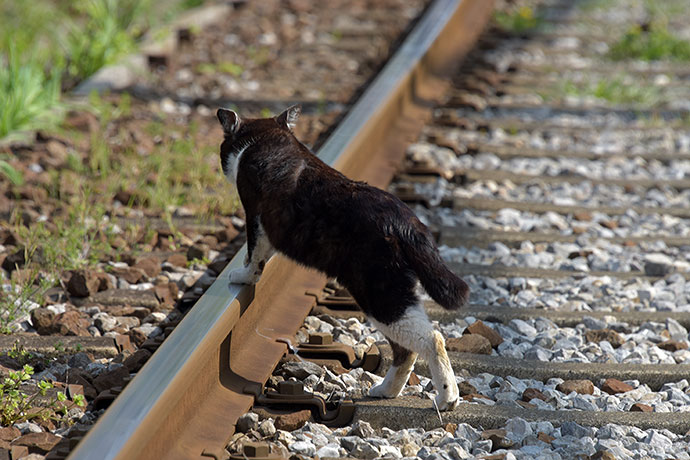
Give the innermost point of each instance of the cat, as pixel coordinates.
(366, 238)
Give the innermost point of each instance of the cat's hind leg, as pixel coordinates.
(397, 375)
(414, 331)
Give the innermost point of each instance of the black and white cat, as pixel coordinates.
(365, 237)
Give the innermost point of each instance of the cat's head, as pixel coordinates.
(235, 127)
(239, 133)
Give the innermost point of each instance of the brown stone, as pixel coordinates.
(137, 360)
(500, 442)
(104, 281)
(293, 421)
(479, 328)
(130, 274)
(602, 455)
(474, 396)
(210, 241)
(543, 437)
(83, 283)
(609, 335)
(639, 407)
(42, 320)
(673, 345)
(76, 376)
(610, 224)
(126, 310)
(149, 265)
(583, 216)
(450, 427)
(414, 379)
(494, 457)
(531, 393)
(466, 388)
(583, 387)
(110, 379)
(9, 433)
(525, 405)
(137, 336)
(470, 343)
(167, 293)
(198, 251)
(18, 451)
(38, 443)
(15, 260)
(615, 386)
(227, 234)
(72, 322)
(486, 434)
(178, 260)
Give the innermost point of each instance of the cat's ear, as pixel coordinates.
(229, 120)
(289, 118)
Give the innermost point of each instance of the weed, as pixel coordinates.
(615, 90)
(20, 354)
(652, 44)
(203, 261)
(14, 176)
(108, 32)
(20, 295)
(17, 406)
(517, 21)
(231, 68)
(30, 98)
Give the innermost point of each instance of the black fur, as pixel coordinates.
(365, 237)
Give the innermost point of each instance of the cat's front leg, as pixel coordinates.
(259, 250)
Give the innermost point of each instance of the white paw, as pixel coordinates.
(448, 398)
(383, 390)
(245, 275)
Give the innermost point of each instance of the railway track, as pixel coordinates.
(576, 264)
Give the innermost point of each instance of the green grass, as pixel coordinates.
(615, 90)
(108, 31)
(29, 96)
(516, 21)
(48, 46)
(654, 44)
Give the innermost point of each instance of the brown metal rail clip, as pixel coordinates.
(337, 356)
(291, 397)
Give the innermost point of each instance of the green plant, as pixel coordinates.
(20, 354)
(14, 176)
(519, 20)
(29, 97)
(23, 292)
(17, 406)
(651, 43)
(615, 90)
(108, 31)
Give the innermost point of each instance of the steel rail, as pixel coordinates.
(184, 402)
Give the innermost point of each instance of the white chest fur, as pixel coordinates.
(233, 162)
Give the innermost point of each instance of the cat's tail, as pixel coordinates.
(445, 287)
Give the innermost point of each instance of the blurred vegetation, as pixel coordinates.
(517, 20)
(650, 43)
(615, 90)
(48, 46)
